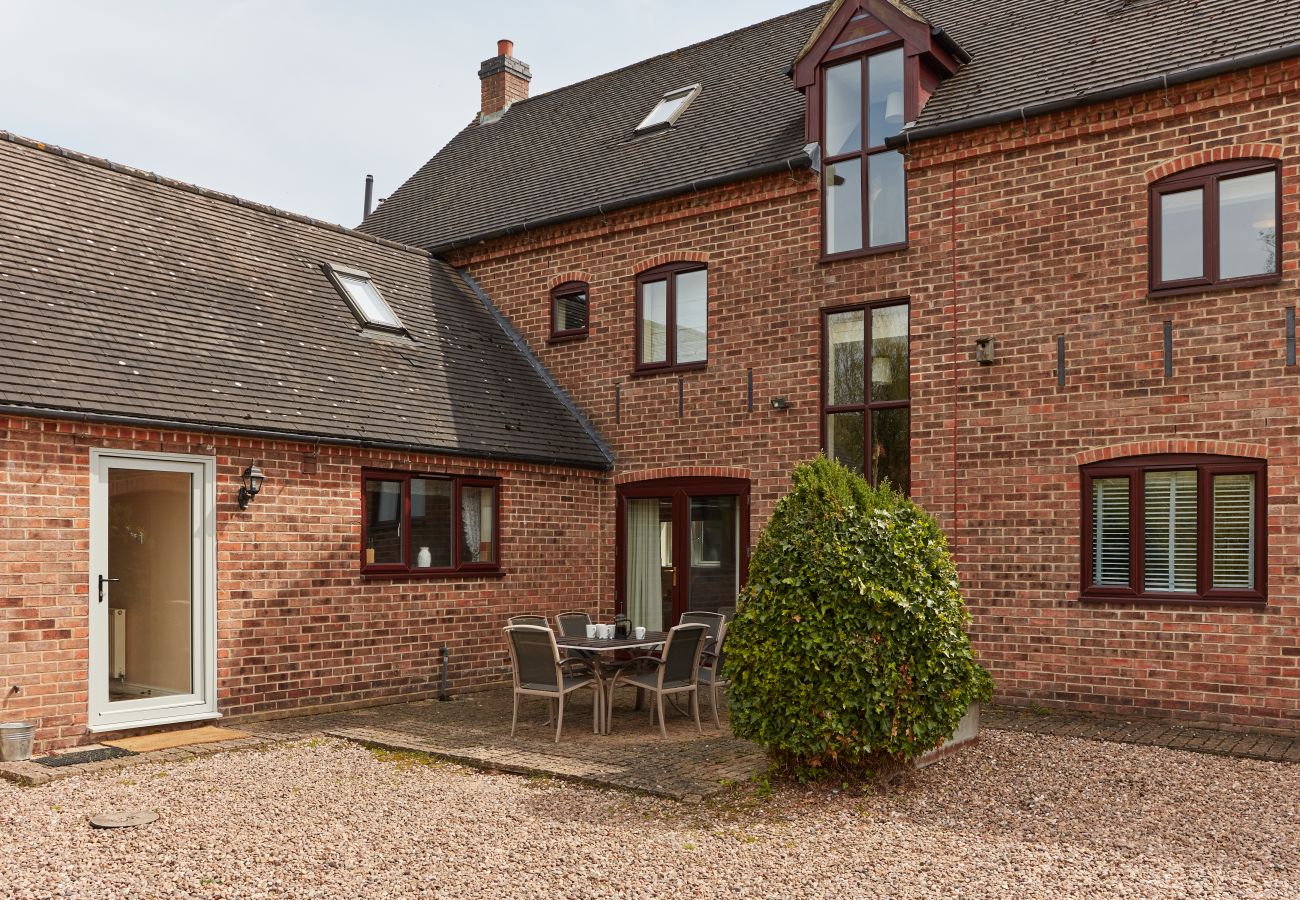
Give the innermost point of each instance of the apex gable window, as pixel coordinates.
(363, 298)
(1216, 225)
(669, 108)
(569, 311)
(1179, 529)
(672, 322)
(866, 390)
(428, 524)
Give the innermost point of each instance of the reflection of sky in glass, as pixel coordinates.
(885, 187)
(1181, 235)
(843, 108)
(885, 96)
(845, 337)
(654, 321)
(1247, 230)
(692, 316)
(844, 206)
(889, 364)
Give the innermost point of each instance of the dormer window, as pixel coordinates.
(364, 299)
(669, 108)
(866, 72)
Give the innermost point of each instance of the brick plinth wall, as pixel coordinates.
(1020, 233)
(297, 626)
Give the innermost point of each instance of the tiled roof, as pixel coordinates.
(124, 294)
(1028, 52)
(572, 150)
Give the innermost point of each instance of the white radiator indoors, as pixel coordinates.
(117, 643)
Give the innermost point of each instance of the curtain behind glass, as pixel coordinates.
(644, 585)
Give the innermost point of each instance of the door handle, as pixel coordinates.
(102, 580)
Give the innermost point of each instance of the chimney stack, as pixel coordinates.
(503, 80)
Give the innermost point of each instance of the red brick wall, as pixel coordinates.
(297, 625)
(1019, 233)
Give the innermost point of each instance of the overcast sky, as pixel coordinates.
(293, 102)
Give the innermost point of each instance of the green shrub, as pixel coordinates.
(847, 655)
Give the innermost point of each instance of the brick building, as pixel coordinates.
(1048, 291)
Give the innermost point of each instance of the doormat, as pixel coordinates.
(99, 754)
(165, 740)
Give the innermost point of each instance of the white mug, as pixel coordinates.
(640, 632)
(591, 631)
(607, 631)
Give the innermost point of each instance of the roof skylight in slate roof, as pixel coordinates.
(669, 108)
(364, 298)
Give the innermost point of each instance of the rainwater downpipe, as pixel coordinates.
(956, 363)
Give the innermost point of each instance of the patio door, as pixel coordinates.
(152, 590)
(683, 545)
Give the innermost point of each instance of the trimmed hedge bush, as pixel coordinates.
(847, 655)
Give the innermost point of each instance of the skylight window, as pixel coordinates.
(669, 108)
(367, 303)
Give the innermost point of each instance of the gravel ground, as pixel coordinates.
(1017, 816)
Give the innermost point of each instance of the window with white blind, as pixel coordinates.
(1175, 529)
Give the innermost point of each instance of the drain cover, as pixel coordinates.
(76, 758)
(124, 818)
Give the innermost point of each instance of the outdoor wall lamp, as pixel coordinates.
(984, 353)
(780, 403)
(252, 485)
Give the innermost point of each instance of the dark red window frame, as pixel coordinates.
(1207, 178)
(862, 52)
(668, 273)
(1206, 467)
(867, 404)
(408, 567)
(560, 292)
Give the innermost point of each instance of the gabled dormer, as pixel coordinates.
(866, 71)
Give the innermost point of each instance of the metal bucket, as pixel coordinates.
(16, 741)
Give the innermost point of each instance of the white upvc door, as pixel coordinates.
(153, 647)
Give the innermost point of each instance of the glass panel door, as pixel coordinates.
(648, 555)
(152, 647)
(714, 579)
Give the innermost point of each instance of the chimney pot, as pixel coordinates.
(505, 47)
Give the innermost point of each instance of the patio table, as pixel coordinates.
(651, 640)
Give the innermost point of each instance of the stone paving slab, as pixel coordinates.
(1148, 732)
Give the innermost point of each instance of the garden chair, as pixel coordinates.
(675, 671)
(573, 623)
(529, 619)
(711, 671)
(713, 620)
(539, 672)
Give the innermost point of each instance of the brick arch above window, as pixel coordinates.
(664, 259)
(681, 472)
(1212, 155)
(1173, 446)
(568, 277)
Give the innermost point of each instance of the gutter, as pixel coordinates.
(527, 353)
(1021, 113)
(800, 161)
(290, 436)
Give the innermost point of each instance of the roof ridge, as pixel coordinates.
(666, 53)
(199, 190)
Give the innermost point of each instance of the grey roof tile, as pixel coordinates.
(123, 294)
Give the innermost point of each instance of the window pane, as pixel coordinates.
(891, 456)
(654, 322)
(383, 513)
(431, 523)
(843, 108)
(1234, 531)
(1169, 531)
(845, 343)
(714, 575)
(885, 111)
(692, 316)
(477, 528)
(571, 311)
(844, 206)
(1247, 226)
(845, 440)
(1110, 532)
(889, 363)
(1181, 236)
(367, 300)
(888, 198)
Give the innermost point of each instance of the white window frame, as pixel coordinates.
(338, 273)
(682, 97)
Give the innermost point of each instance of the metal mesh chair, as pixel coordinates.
(573, 623)
(539, 672)
(675, 671)
(711, 671)
(713, 620)
(529, 619)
